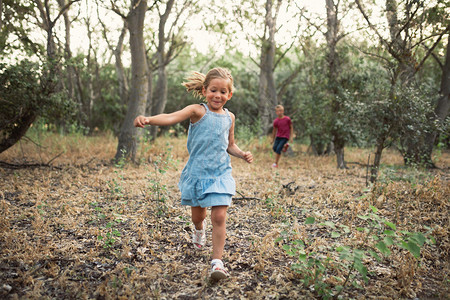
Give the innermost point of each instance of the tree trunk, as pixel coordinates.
(120, 71)
(332, 37)
(318, 148)
(19, 130)
(149, 104)
(267, 91)
(160, 98)
(405, 70)
(1, 14)
(128, 137)
(441, 110)
(68, 52)
(377, 160)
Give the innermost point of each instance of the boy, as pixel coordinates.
(283, 131)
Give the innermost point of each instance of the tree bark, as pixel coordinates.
(160, 98)
(20, 128)
(332, 37)
(120, 71)
(377, 160)
(267, 90)
(442, 108)
(1, 14)
(129, 135)
(68, 52)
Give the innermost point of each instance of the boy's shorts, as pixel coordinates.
(279, 144)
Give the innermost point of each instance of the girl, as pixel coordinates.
(206, 179)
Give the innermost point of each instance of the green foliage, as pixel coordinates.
(109, 110)
(158, 192)
(16, 28)
(346, 263)
(27, 91)
(408, 174)
(22, 89)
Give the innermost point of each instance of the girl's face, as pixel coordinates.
(217, 94)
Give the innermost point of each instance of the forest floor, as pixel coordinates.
(75, 226)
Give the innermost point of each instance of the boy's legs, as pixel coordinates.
(277, 158)
(218, 220)
(278, 147)
(198, 214)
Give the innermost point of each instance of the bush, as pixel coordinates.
(26, 92)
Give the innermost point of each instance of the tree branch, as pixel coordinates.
(431, 49)
(366, 17)
(64, 10)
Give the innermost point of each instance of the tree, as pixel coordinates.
(406, 34)
(37, 93)
(333, 36)
(248, 14)
(168, 46)
(26, 91)
(442, 108)
(128, 136)
(267, 90)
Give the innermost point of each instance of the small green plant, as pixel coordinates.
(411, 174)
(158, 190)
(343, 263)
(110, 234)
(115, 185)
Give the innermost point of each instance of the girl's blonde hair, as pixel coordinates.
(197, 81)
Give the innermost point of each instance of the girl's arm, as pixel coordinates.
(194, 112)
(233, 149)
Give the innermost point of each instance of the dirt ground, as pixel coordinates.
(75, 226)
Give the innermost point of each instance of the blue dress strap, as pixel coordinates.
(206, 106)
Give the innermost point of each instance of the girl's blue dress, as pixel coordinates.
(206, 179)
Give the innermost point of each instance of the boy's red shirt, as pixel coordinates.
(283, 126)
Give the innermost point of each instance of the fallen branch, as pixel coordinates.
(245, 198)
(48, 163)
(6, 165)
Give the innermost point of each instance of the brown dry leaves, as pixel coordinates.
(52, 219)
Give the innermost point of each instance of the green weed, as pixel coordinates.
(380, 238)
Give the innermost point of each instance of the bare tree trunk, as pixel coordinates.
(317, 147)
(1, 14)
(160, 98)
(267, 90)
(377, 160)
(149, 104)
(68, 52)
(19, 130)
(333, 36)
(128, 137)
(441, 110)
(120, 71)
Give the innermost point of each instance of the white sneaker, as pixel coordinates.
(199, 237)
(218, 271)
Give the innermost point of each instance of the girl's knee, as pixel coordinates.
(219, 216)
(218, 220)
(198, 214)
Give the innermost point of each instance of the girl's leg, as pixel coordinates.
(198, 214)
(218, 220)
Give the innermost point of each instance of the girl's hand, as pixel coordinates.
(140, 121)
(247, 156)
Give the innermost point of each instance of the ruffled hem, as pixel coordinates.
(196, 188)
(209, 200)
